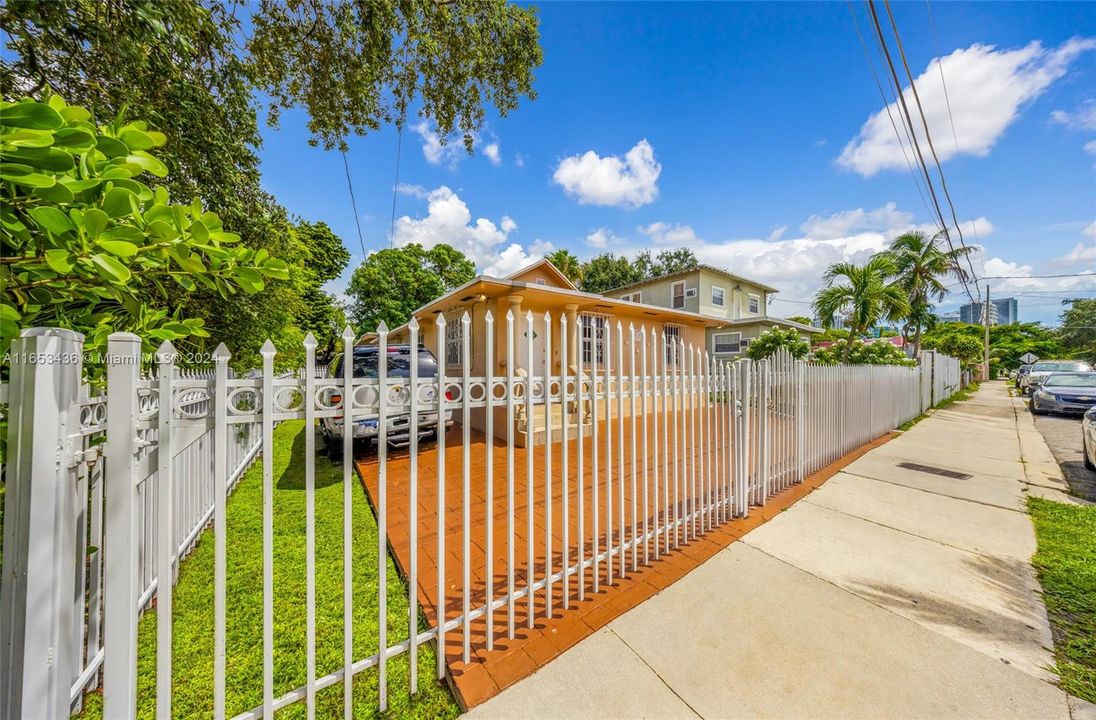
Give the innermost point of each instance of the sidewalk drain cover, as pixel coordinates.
(934, 470)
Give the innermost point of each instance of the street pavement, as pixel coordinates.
(886, 593)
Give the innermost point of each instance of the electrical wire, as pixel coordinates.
(353, 204)
(887, 102)
(916, 145)
(928, 136)
(395, 186)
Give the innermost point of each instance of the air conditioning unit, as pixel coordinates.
(690, 292)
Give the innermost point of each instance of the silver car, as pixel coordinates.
(1088, 438)
(1071, 392)
(1039, 371)
(366, 427)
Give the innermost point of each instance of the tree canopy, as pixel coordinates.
(194, 71)
(863, 294)
(1078, 329)
(1006, 342)
(394, 282)
(356, 65)
(607, 271)
(79, 228)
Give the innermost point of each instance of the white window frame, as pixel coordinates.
(592, 330)
(540, 281)
(749, 304)
(737, 343)
(671, 333)
(722, 296)
(674, 296)
(454, 335)
(635, 297)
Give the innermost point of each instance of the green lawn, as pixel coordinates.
(193, 630)
(1066, 564)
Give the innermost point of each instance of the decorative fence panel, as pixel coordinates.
(640, 451)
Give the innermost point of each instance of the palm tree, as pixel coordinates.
(921, 266)
(566, 262)
(867, 295)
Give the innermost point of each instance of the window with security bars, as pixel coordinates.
(593, 338)
(454, 336)
(671, 335)
(727, 343)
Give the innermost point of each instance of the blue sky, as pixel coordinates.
(754, 134)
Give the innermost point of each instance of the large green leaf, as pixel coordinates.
(110, 269)
(29, 114)
(56, 193)
(48, 158)
(77, 139)
(52, 219)
(121, 248)
(60, 260)
(118, 202)
(94, 221)
(111, 147)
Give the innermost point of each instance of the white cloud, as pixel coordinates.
(417, 191)
(884, 219)
(448, 220)
(986, 88)
(669, 234)
(1090, 230)
(1082, 253)
(1090, 147)
(519, 160)
(630, 181)
(491, 151)
(777, 233)
(604, 237)
(1084, 118)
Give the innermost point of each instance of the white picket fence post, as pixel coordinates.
(121, 542)
(37, 614)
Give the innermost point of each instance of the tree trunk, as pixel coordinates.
(848, 345)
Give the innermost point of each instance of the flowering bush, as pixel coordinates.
(861, 353)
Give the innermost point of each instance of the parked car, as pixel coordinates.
(366, 427)
(1040, 370)
(1088, 438)
(1065, 392)
(1021, 372)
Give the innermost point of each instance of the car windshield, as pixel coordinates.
(1066, 366)
(1025, 368)
(399, 364)
(1087, 380)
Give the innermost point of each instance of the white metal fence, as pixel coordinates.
(646, 448)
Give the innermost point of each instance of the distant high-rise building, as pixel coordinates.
(947, 317)
(1006, 311)
(972, 313)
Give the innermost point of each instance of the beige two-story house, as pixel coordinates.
(741, 304)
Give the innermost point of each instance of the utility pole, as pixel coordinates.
(985, 350)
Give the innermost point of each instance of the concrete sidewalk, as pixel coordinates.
(886, 593)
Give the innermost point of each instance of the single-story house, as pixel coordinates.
(540, 288)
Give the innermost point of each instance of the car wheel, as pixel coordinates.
(1035, 409)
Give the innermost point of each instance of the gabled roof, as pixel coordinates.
(546, 265)
(689, 270)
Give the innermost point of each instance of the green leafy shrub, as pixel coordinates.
(768, 342)
(861, 353)
(84, 241)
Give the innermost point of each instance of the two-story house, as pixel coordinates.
(741, 304)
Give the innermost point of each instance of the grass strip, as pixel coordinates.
(193, 618)
(1066, 564)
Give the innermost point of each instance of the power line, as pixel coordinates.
(887, 106)
(353, 204)
(928, 137)
(909, 122)
(395, 185)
